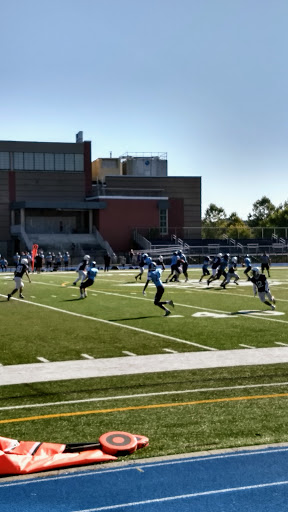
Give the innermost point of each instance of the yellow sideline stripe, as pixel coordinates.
(138, 407)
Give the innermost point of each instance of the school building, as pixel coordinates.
(51, 193)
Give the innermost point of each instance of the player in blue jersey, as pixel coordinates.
(247, 264)
(174, 263)
(155, 276)
(184, 264)
(205, 271)
(91, 275)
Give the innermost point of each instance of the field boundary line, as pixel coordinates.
(142, 407)
(142, 395)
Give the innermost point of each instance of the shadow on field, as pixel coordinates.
(247, 312)
(71, 300)
(132, 318)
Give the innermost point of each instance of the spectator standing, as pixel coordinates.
(66, 258)
(107, 260)
(3, 264)
(265, 263)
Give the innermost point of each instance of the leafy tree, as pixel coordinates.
(214, 215)
(214, 222)
(279, 218)
(261, 211)
(236, 228)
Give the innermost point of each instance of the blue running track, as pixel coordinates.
(246, 481)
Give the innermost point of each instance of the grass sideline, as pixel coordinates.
(200, 416)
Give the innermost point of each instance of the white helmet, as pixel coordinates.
(145, 255)
(24, 261)
(220, 255)
(86, 257)
(234, 259)
(255, 271)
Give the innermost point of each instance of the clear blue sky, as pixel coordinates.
(204, 80)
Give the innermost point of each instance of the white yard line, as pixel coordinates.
(116, 324)
(144, 395)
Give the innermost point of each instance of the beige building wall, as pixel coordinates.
(101, 167)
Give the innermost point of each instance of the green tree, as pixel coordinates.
(261, 211)
(279, 218)
(214, 215)
(214, 222)
(236, 227)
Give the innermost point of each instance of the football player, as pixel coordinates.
(21, 269)
(91, 274)
(231, 274)
(247, 264)
(155, 276)
(81, 270)
(261, 285)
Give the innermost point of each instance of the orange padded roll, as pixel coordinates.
(118, 443)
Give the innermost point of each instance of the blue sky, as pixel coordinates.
(204, 80)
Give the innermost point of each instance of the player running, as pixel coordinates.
(231, 274)
(81, 270)
(261, 285)
(21, 269)
(155, 276)
(91, 275)
(205, 271)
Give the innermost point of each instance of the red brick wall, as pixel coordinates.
(117, 221)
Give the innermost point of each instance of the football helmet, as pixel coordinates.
(220, 255)
(24, 261)
(234, 259)
(86, 257)
(152, 265)
(93, 264)
(255, 271)
(145, 255)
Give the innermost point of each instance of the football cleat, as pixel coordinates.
(9, 296)
(167, 312)
(171, 303)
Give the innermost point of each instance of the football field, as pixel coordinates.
(181, 409)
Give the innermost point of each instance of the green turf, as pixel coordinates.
(223, 321)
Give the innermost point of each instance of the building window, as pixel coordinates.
(163, 222)
(69, 162)
(79, 163)
(4, 160)
(49, 161)
(39, 161)
(29, 161)
(59, 162)
(18, 161)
